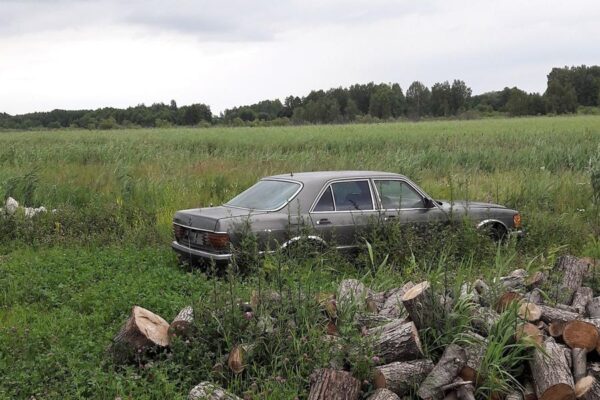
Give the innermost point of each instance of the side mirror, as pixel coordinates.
(428, 203)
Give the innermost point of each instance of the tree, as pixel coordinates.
(440, 99)
(561, 98)
(418, 98)
(398, 101)
(460, 94)
(380, 104)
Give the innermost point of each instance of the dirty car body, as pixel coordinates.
(325, 208)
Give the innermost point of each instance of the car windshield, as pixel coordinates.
(265, 195)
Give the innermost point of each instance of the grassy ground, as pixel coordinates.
(68, 280)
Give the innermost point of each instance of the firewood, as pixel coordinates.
(468, 291)
(535, 280)
(483, 320)
(507, 299)
(370, 320)
(475, 347)
(551, 375)
(587, 388)
(529, 332)
(444, 372)
(529, 311)
(396, 341)
(514, 396)
(515, 280)
(375, 301)
(393, 306)
(556, 328)
(550, 314)
(534, 296)
(143, 330)
(593, 308)
(331, 384)
(581, 335)
(352, 291)
(574, 271)
(579, 360)
(529, 391)
(383, 394)
(209, 391)
(183, 323)
(466, 392)
(237, 359)
(593, 369)
(420, 304)
(483, 290)
(581, 298)
(402, 377)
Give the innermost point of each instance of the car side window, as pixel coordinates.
(396, 195)
(325, 203)
(352, 196)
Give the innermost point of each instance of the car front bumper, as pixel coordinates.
(186, 251)
(518, 233)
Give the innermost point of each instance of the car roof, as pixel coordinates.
(324, 176)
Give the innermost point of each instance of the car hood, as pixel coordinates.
(209, 217)
(468, 205)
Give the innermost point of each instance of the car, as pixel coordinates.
(323, 208)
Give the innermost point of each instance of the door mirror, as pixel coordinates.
(428, 203)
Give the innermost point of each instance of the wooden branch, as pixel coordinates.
(330, 384)
(402, 377)
(550, 372)
(515, 280)
(370, 320)
(396, 341)
(444, 372)
(209, 391)
(237, 359)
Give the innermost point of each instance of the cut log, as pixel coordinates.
(396, 341)
(475, 347)
(529, 312)
(402, 377)
(507, 299)
(383, 394)
(370, 320)
(529, 333)
(183, 323)
(587, 388)
(467, 291)
(375, 301)
(209, 391)
(593, 369)
(483, 320)
(593, 308)
(536, 280)
(581, 298)
(574, 271)
(515, 280)
(393, 306)
(579, 357)
(444, 372)
(514, 396)
(465, 392)
(550, 314)
(529, 391)
(238, 356)
(143, 330)
(330, 384)
(551, 375)
(580, 335)
(535, 296)
(484, 292)
(556, 328)
(352, 291)
(420, 304)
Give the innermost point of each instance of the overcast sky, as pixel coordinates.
(94, 53)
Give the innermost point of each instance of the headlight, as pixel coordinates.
(517, 220)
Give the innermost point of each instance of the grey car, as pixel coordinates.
(324, 208)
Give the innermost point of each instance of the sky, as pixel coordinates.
(87, 54)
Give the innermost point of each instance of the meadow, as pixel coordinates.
(68, 279)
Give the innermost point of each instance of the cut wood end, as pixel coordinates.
(416, 290)
(556, 328)
(562, 391)
(468, 374)
(581, 335)
(379, 380)
(153, 326)
(529, 312)
(530, 332)
(584, 385)
(506, 299)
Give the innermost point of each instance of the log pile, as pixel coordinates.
(558, 321)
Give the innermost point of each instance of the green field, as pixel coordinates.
(68, 279)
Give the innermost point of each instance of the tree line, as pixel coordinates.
(569, 89)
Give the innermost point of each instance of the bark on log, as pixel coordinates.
(587, 388)
(383, 394)
(352, 291)
(183, 323)
(142, 330)
(466, 392)
(397, 341)
(371, 320)
(593, 369)
(581, 298)
(483, 320)
(551, 375)
(444, 372)
(393, 306)
(375, 301)
(209, 391)
(534, 296)
(580, 335)
(330, 384)
(579, 357)
(529, 391)
(475, 347)
(467, 290)
(530, 333)
(514, 396)
(536, 280)
(574, 271)
(529, 311)
(515, 280)
(550, 314)
(556, 328)
(402, 377)
(420, 304)
(593, 308)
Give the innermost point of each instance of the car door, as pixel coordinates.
(342, 209)
(401, 201)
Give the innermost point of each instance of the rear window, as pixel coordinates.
(265, 195)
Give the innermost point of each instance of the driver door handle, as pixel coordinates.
(323, 221)
(389, 217)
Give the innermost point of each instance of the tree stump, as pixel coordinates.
(143, 330)
(420, 304)
(330, 384)
(550, 372)
(581, 298)
(574, 271)
(587, 388)
(444, 372)
(209, 391)
(401, 377)
(383, 394)
(397, 341)
(183, 323)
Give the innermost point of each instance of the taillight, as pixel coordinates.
(517, 220)
(218, 240)
(178, 231)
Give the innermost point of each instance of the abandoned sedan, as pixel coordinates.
(326, 209)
